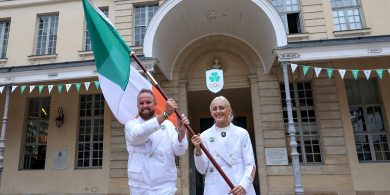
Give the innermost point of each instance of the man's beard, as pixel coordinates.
(146, 116)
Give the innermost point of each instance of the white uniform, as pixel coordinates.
(152, 149)
(232, 149)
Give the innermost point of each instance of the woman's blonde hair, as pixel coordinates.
(226, 103)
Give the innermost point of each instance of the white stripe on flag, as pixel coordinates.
(123, 104)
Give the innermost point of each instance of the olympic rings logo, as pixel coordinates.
(215, 85)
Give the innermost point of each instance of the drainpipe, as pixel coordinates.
(298, 188)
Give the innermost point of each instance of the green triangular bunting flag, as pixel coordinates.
(305, 69)
(97, 84)
(59, 87)
(329, 71)
(78, 86)
(40, 88)
(22, 88)
(379, 72)
(355, 73)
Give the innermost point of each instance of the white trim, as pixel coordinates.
(335, 52)
(277, 23)
(267, 7)
(154, 23)
(48, 75)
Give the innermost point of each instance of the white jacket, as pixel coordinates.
(152, 149)
(233, 153)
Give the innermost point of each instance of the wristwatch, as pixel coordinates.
(165, 114)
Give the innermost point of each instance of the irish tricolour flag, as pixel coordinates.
(119, 81)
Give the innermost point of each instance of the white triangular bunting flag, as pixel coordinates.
(367, 73)
(32, 88)
(342, 73)
(388, 70)
(293, 67)
(68, 87)
(1, 89)
(317, 70)
(13, 88)
(50, 87)
(86, 84)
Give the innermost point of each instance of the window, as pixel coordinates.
(47, 35)
(367, 120)
(4, 29)
(87, 40)
(142, 16)
(289, 11)
(307, 133)
(346, 15)
(35, 139)
(90, 135)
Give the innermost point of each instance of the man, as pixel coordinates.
(152, 143)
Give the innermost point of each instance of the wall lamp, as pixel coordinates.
(60, 118)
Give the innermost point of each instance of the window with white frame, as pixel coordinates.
(47, 34)
(347, 15)
(35, 136)
(90, 134)
(4, 29)
(367, 120)
(290, 12)
(307, 132)
(87, 40)
(142, 16)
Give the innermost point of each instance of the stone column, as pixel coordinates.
(257, 122)
(298, 188)
(184, 160)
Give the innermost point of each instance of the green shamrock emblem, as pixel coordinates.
(214, 77)
(163, 127)
(211, 139)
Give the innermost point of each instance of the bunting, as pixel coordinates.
(51, 86)
(329, 71)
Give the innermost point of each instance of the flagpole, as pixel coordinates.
(154, 82)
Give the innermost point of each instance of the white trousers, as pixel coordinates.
(143, 191)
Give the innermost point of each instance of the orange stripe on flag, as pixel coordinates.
(161, 103)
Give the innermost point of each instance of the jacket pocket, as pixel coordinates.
(135, 163)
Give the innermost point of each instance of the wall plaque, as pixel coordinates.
(276, 156)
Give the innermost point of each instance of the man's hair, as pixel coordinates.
(147, 91)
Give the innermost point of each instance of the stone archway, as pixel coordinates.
(239, 62)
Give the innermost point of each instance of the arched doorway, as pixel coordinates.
(238, 61)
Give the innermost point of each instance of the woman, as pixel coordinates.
(232, 149)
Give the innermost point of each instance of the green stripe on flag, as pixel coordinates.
(112, 55)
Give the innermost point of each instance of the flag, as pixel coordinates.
(119, 81)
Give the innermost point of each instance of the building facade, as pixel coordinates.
(61, 138)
